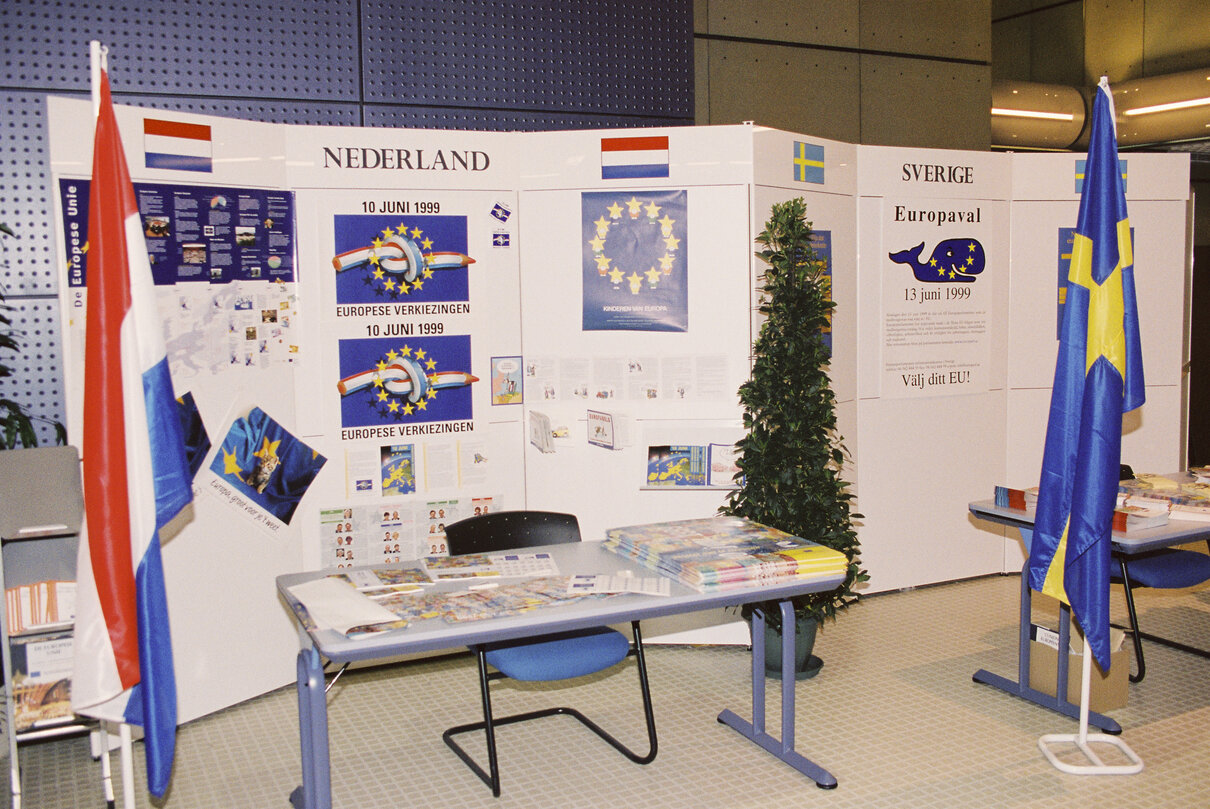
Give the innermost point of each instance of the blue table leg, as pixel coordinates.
(1020, 688)
(316, 789)
(755, 730)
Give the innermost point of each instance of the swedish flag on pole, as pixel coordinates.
(1098, 377)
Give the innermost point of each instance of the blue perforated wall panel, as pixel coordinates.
(453, 64)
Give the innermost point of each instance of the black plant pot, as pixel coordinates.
(806, 665)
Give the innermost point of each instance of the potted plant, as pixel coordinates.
(791, 457)
(16, 424)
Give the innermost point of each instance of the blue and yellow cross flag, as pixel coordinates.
(1098, 377)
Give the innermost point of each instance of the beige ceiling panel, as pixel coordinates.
(814, 22)
(951, 29)
(798, 89)
(912, 102)
(1176, 36)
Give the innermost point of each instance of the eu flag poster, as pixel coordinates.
(1098, 377)
(396, 380)
(634, 248)
(380, 259)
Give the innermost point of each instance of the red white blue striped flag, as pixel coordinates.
(136, 477)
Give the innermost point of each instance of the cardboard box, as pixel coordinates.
(1105, 691)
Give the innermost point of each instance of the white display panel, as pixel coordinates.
(525, 208)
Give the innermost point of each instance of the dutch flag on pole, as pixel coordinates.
(176, 145)
(634, 158)
(136, 477)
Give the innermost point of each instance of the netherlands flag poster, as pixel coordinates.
(136, 475)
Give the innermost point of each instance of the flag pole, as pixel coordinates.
(98, 62)
(1098, 377)
(1095, 765)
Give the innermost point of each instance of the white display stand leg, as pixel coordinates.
(1083, 739)
(127, 767)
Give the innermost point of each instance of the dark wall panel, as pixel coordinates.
(455, 64)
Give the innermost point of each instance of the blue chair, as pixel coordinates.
(1170, 568)
(546, 658)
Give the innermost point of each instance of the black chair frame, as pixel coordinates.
(1136, 635)
(491, 776)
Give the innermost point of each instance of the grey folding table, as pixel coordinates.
(433, 634)
(1176, 532)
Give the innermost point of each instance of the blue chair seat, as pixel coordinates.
(1172, 569)
(558, 656)
(1167, 569)
(562, 656)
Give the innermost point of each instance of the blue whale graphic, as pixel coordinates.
(952, 260)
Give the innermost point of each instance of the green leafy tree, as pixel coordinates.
(16, 424)
(791, 458)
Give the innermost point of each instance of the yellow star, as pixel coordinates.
(406, 352)
(403, 287)
(380, 365)
(666, 223)
(403, 229)
(615, 211)
(653, 276)
(672, 242)
(940, 271)
(392, 405)
(407, 409)
(597, 244)
(422, 404)
(602, 226)
(603, 264)
(377, 273)
(653, 210)
(431, 364)
(374, 258)
(970, 260)
(971, 247)
(417, 284)
(636, 281)
(427, 273)
(392, 356)
(377, 242)
(388, 285)
(634, 205)
(388, 233)
(427, 244)
(268, 449)
(377, 381)
(420, 353)
(666, 263)
(932, 262)
(616, 275)
(230, 464)
(382, 395)
(416, 233)
(431, 393)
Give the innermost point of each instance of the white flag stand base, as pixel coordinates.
(1081, 740)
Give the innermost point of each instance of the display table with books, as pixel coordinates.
(1010, 510)
(375, 613)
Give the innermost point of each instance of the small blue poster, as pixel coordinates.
(635, 268)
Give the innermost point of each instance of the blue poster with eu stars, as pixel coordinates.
(634, 252)
(267, 463)
(382, 259)
(404, 381)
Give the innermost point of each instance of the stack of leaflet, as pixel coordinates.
(1181, 500)
(721, 553)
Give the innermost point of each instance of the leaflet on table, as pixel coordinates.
(480, 565)
(600, 583)
(336, 604)
(385, 578)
